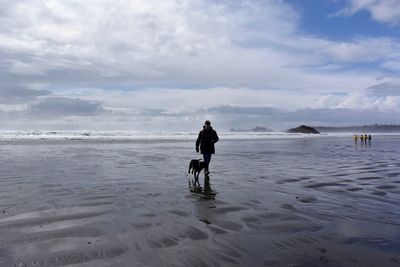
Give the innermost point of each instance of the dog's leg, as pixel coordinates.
(196, 178)
(190, 166)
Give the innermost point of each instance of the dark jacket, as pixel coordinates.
(206, 140)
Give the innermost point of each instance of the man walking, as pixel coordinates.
(206, 139)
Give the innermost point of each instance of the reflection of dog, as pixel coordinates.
(196, 165)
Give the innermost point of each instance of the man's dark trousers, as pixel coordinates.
(207, 159)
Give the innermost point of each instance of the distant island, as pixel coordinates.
(303, 129)
(255, 129)
(375, 128)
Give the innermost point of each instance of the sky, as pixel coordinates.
(147, 65)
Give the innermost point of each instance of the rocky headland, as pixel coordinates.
(303, 129)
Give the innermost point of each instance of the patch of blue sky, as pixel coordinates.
(318, 18)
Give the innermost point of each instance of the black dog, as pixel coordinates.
(196, 165)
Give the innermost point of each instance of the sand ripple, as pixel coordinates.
(297, 202)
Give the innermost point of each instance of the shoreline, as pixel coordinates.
(11, 136)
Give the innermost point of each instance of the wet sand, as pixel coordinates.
(290, 202)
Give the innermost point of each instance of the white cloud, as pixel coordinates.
(386, 11)
(198, 42)
(382, 97)
(240, 53)
(364, 50)
(141, 40)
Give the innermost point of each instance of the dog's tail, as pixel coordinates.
(190, 166)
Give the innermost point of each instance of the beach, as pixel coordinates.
(304, 201)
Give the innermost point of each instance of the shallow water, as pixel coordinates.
(290, 202)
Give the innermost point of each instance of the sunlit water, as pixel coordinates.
(321, 201)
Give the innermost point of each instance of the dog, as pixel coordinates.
(196, 165)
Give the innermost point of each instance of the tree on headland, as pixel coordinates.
(374, 128)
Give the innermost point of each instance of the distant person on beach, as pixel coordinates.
(355, 138)
(365, 138)
(361, 138)
(369, 138)
(206, 140)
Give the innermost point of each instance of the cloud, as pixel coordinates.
(136, 40)
(384, 97)
(17, 94)
(281, 119)
(386, 11)
(169, 64)
(46, 116)
(62, 106)
(182, 101)
(252, 43)
(363, 50)
(385, 89)
(185, 109)
(19, 67)
(393, 65)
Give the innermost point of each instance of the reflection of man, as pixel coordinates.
(207, 138)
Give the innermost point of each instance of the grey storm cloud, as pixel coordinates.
(18, 94)
(385, 89)
(63, 106)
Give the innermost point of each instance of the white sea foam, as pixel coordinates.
(141, 135)
(124, 135)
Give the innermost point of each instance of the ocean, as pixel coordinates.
(81, 198)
